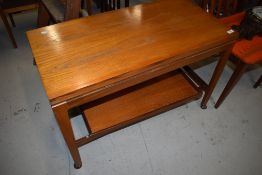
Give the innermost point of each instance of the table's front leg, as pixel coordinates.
(63, 120)
(215, 77)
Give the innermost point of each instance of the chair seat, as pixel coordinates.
(56, 8)
(249, 51)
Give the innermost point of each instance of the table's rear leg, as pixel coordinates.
(63, 120)
(215, 77)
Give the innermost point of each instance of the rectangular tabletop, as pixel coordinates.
(81, 55)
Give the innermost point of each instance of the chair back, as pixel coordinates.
(219, 8)
(13, 6)
(63, 2)
(61, 10)
(108, 5)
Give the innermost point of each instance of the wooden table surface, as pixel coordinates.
(81, 55)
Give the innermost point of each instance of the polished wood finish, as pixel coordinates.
(82, 60)
(188, 97)
(135, 102)
(106, 52)
(62, 118)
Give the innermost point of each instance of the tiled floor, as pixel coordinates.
(183, 141)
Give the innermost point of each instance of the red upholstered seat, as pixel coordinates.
(249, 51)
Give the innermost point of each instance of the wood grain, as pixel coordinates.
(138, 100)
(98, 50)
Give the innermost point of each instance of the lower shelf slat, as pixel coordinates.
(138, 101)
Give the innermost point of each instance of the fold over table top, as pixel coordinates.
(90, 52)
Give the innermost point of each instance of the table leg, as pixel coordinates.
(63, 120)
(215, 77)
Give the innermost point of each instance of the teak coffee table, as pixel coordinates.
(124, 66)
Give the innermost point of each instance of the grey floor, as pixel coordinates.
(183, 141)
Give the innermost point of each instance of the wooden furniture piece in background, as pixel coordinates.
(131, 58)
(57, 11)
(219, 7)
(245, 51)
(8, 7)
(108, 5)
(248, 52)
(15, 6)
(7, 26)
(88, 6)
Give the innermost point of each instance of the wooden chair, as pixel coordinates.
(7, 26)
(9, 7)
(88, 6)
(63, 10)
(57, 11)
(247, 52)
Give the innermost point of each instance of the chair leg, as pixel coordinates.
(240, 68)
(126, 3)
(9, 31)
(43, 16)
(11, 19)
(259, 81)
(105, 5)
(97, 3)
(118, 5)
(102, 6)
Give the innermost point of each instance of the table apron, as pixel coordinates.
(146, 74)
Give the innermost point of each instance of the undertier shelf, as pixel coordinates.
(140, 101)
